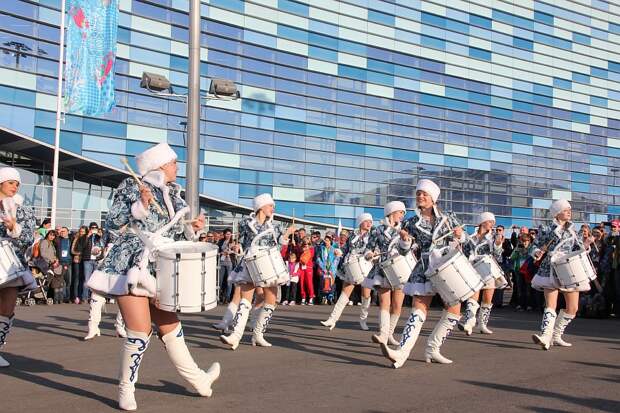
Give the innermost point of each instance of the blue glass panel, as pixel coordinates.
(480, 21)
(350, 148)
(323, 54)
(352, 72)
(456, 161)
(522, 138)
(614, 27)
(580, 77)
(581, 38)
(293, 7)
(321, 131)
(433, 42)
(580, 187)
(580, 177)
(324, 41)
(381, 18)
(598, 72)
(352, 47)
(598, 101)
(292, 33)
(523, 43)
(322, 27)
(290, 126)
(479, 153)
(580, 117)
(433, 19)
(613, 66)
(380, 66)
(479, 53)
(257, 107)
(236, 5)
(380, 78)
(543, 18)
(501, 146)
(457, 26)
(404, 155)
(562, 83)
(522, 212)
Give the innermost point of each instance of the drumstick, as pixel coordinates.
(134, 176)
(445, 236)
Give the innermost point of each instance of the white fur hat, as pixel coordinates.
(155, 157)
(363, 217)
(262, 200)
(9, 174)
(429, 187)
(485, 216)
(393, 206)
(558, 206)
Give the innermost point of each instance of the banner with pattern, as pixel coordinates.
(91, 54)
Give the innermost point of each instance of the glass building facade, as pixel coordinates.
(507, 105)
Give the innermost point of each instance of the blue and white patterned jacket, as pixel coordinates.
(560, 239)
(356, 244)
(22, 235)
(477, 245)
(249, 228)
(424, 231)
(127, 210)
(381, 237)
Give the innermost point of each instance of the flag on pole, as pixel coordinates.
(91, 54)
(339, 227)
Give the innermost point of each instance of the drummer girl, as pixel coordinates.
(558, 238)
(484, 242)
(17, 225)
(433, 230)
(382, 244)
(355, 245)
(256, 232)
(153, 207)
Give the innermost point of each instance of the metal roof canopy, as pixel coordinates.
(93, 172)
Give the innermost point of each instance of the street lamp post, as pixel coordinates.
(192, 173)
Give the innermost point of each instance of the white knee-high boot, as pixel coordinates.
(238, 324)
(119, 325)
(561, 322)
(185, 365)
(546, 329)
(131, 357)
(483, 318)
(410, 335)
(384, 327)
(5, 328)
(393, 323)
(442, 330)
(469, 317)
(262, 322)
(364, 313)
(94, 318)
(224, 324)
(253, 316)
(342, 302)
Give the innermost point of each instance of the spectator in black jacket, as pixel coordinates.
(92, 252)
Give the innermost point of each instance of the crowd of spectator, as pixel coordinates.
(69, 258)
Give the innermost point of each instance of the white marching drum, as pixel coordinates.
(186, 277)
(490, 272)
(573, 270)
(454, 278)
(398, 268)
(265, 266)
(356, 268)
(10, 265)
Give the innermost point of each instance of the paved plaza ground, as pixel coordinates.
(311, 369)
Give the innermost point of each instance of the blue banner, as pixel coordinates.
(91, 54)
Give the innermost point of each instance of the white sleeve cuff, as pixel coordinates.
(17, 231)
(405, 245)
(138, 211)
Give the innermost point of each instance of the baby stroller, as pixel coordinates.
(39, 294)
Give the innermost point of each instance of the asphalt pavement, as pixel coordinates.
(311, 369)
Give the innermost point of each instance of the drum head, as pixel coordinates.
(187, 247)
